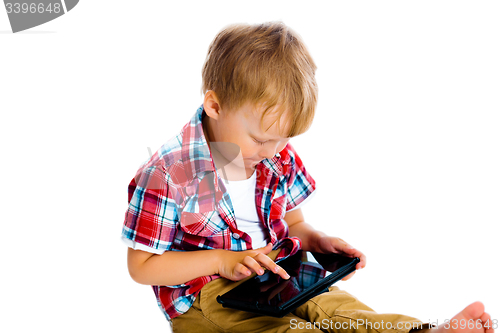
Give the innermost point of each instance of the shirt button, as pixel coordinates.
(236, 236)
(278, 155)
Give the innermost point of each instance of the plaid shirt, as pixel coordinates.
(177, 202)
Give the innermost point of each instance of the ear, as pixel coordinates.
(211, 104)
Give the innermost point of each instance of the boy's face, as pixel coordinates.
(241, 128)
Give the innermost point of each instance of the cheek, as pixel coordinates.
(248, 150)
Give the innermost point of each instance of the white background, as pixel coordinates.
(404, 149)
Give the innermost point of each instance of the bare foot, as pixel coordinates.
(472, 319)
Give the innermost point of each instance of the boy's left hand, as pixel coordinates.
(327, 244)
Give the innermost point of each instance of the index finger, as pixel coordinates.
(268, 263)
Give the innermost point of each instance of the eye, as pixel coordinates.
(259, 142)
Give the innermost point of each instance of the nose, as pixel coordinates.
(269, 151)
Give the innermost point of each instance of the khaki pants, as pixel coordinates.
(333, 311)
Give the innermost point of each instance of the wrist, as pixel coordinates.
(217, 261)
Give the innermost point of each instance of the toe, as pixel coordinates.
(487, 324)
(473, 311)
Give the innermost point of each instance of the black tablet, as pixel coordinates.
(271, 295)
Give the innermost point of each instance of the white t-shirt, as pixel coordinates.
(242, 193)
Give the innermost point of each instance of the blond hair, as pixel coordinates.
(267, 65)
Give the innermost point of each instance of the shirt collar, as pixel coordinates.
(196, 152)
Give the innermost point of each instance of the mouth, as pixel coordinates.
(252, 162)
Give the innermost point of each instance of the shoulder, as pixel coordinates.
(289, 158)
(293, 168)
(164, 167)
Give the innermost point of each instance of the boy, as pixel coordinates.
(222, 200)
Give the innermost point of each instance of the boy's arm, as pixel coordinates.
(169, 268)
(177, 267)
(317, 241)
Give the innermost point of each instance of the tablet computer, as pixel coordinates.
(271, 295)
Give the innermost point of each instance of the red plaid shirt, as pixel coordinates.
(177, 202)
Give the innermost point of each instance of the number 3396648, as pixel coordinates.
(32, 8)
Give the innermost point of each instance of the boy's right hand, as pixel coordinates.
(237, 265)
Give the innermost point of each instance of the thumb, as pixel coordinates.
(266, 249)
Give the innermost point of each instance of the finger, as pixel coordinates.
(266, 249)
(345, 247)
(281, 272)
(240, 271)
(338, 245)
(342, 244)
(268, 263)
(355, 253)
(348, 252)
(362, 259)
(253, 265)
(362, 262)
(352, 252)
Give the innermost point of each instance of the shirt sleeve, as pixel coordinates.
(301, 185)
(302, 203)
(152, 214)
